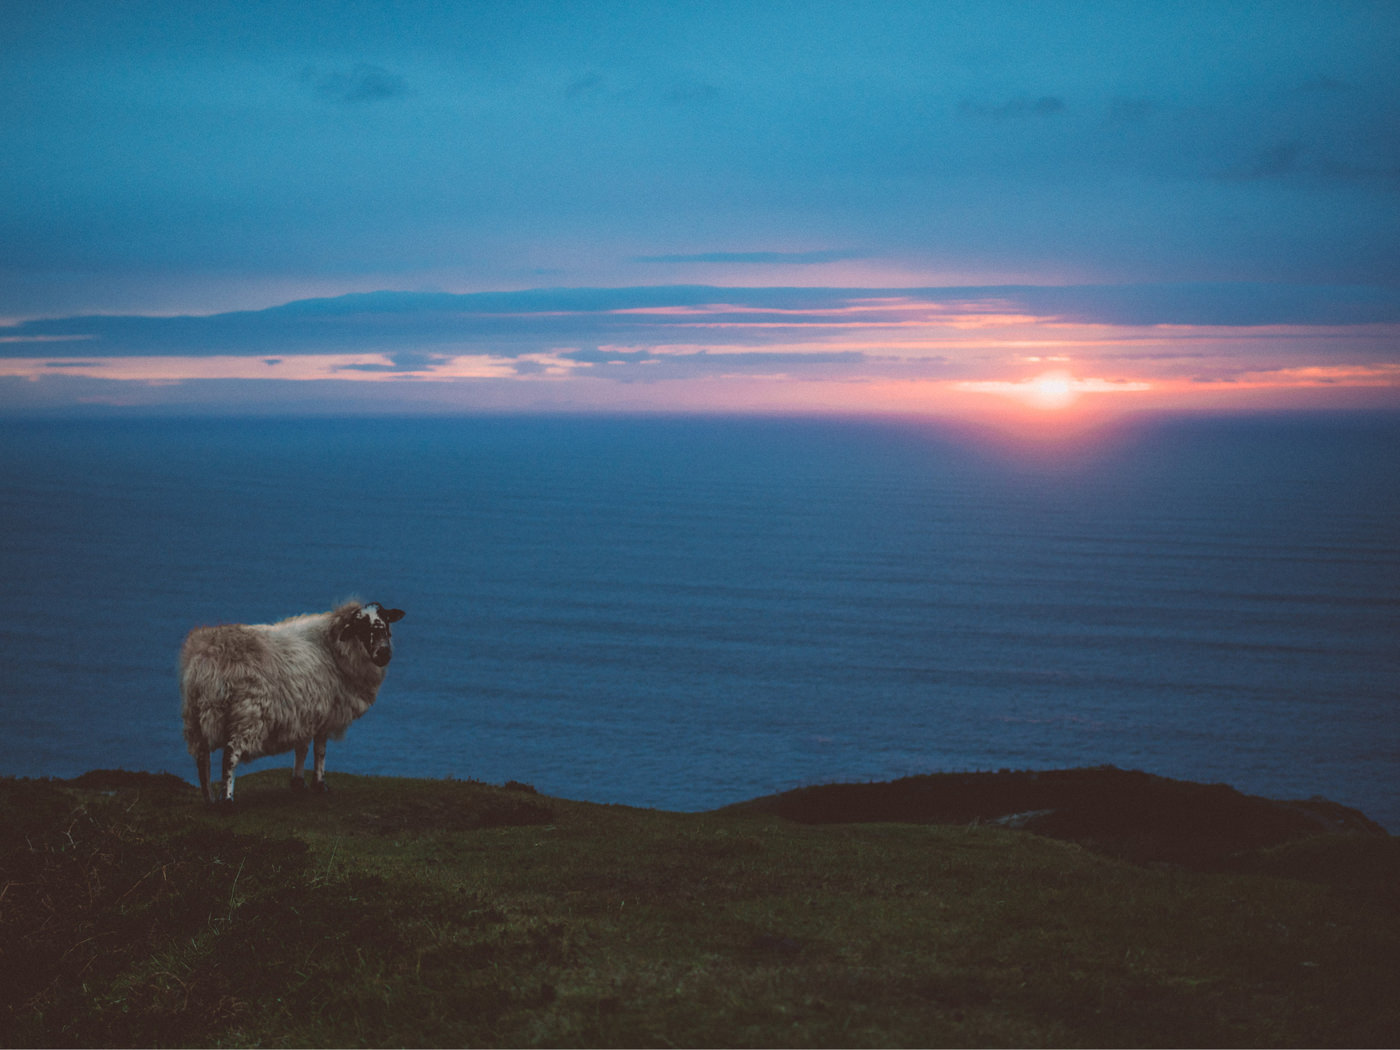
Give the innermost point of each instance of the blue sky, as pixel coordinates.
(673, 205)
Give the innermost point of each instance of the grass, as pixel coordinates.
(410, 912)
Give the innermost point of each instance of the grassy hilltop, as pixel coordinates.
(412, 912)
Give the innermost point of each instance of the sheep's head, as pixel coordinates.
(370, 626)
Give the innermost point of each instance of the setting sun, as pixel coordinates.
(1053, 390)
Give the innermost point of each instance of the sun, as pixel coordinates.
(1055, 392)
(1051, 391)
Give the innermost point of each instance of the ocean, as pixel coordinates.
(687, 612)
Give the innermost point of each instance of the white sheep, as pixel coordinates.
(263, 689)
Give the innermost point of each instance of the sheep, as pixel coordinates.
(264, 689)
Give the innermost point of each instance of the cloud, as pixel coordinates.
(1227, 305)
(644, 366)
(598, 356)
(770, 258)
(357, 86)
(401, 362)
(1296, 160)
(419, 330)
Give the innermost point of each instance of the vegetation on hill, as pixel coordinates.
(412, 912)
(1124, 813)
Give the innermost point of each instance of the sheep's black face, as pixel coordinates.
(371, 627)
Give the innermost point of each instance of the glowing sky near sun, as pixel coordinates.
(922, 207)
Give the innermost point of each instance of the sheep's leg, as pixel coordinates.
(299, 770)
(318, 774)
(201, 763)
(230, 764)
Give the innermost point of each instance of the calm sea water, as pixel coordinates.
(686, 613)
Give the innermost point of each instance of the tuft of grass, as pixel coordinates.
(412, 912)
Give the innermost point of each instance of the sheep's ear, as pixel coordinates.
(392, 615)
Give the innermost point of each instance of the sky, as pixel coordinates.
(937, 207)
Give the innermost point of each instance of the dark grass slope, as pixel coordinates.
(449, 913)
(1125, 813)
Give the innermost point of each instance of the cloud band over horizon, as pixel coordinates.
(499, 322)
(872, 341)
